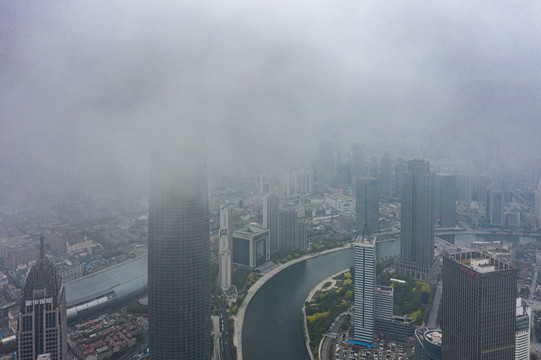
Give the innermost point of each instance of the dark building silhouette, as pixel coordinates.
(292, 232)
(478, 307)
(386, 175)
(270, 219)
(42, 323)
(400, 169)
(367, 205)
(445, 200)
(178, 256)
(417, 221)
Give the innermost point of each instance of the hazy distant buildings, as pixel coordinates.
(339, 202)
(537, 206)
(225, 237)
(251, 246)
(445, 200)
(463, 185)
(178, 257)
(365, 283)
(367, 205)
(417, 221)
(495, 207)
(386, 176)
(478, 307)
(270, 219)
(358, 162)
(400, 169)
(42, 323)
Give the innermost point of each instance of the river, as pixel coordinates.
(272, 324)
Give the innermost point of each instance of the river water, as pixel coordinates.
(272, 324)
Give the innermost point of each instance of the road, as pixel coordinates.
(326, 346)
(226, 341)
(431, 324)
(533, 285)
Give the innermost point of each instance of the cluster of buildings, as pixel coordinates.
(104, 336)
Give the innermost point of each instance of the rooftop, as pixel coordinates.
(251, 229)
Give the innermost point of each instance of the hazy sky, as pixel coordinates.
(88, 87)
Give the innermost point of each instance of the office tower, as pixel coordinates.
(178, 256)
(358, 162)
(225, 245)
(522, 331)
(445, 200)
(463, 185)
(400, 169)
(343, 174)
(287, 229)
(479, 192)
(251, 246)
(300, 234)
(417, 221)
(384, 303)
(42, 322)
(427, 344)
(367, 205)
(365, 282)
(270, 219)
(537, 205)
(326, 164)
(478, 307)
(373, 168)
(386, 176)
(495, 207)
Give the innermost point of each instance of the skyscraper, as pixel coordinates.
(537, 205)
(287, 229)
(522, 331)
(225, 246)
(42, 323)
(178, 256)
(495, 207)
(478, 307)
(386, 175)
(270, 219)
(365, 283)
(400, 169)
(445, 200)
(417, 221)
(367, 205)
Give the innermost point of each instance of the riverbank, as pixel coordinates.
(308, 299)
(239, 318)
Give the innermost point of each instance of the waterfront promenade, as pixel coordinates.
(239, 318)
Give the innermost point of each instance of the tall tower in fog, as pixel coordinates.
(367, 205)
(42, 323)
(178, 256)
(270, 219)
(386, 175)
(417, 221)
(445, 195)
(365, 282)
(225, 246)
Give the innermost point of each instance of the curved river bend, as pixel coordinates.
(272, 324)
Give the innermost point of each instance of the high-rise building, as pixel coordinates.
(358, 162)
(478, 307)
(300, 234)
(522, 332)
(463, 186)
(289, 232)
(445, 200)
(225, 238)
(373, 168)
(251, 246)
(417, 221)
(495, 207)
(42, 322)
(384, 302)
(365, 283)
(270, 219)
(367, 205)
(178, 256)
(386, 175)
(428, 344)
(400, 169)
(537, 208)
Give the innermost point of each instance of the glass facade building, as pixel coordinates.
(179, 258)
